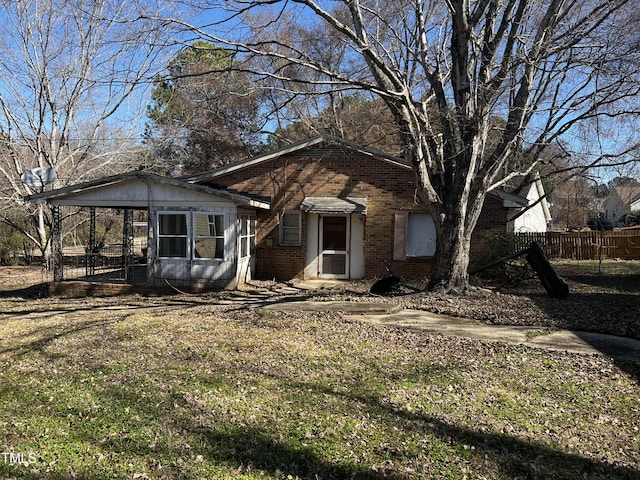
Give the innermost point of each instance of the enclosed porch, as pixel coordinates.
(173, 234)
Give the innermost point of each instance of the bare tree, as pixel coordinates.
(69, 67)
(446, 70)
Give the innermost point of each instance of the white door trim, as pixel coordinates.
(322, 252)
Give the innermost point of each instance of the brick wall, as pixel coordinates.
(492, 222)
(74, 289)
(95, 289)
(289, 179)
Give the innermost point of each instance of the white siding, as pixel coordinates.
(191, 271)
(535, 218)
(136, 193)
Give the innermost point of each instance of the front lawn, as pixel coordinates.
(185, 387)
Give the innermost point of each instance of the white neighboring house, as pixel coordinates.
(536, 216)
(620, 201)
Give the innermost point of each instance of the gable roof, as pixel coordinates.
(200, 183)
(529, 183)
(66, 194)
(510, 200)
(296, 148)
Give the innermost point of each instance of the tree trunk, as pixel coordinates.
(455, 205)
(451, 260)
(455, 223)
(42, 233)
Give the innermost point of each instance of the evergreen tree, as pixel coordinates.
(203, 112)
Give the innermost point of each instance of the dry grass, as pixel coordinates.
(202, 387)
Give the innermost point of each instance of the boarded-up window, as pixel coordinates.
(421, 235)
(414, 235)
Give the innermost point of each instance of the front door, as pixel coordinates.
(334, 241)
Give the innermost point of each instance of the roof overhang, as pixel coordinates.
(334, 205)
(509, 200)
(95, 193)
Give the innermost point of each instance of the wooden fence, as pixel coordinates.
(624, 245)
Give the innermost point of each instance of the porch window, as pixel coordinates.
(190, 235)
(208, 235)
(290, 228)
(247, 235)
(172, 235)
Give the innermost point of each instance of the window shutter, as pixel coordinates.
(400, 236)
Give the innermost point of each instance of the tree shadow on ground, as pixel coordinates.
(492, 453)
(244, 448)
(604, 303)
(511, 457)
(252, 448)
(46, 336)
(41, 334)
(590, 313)
(30, 292)
(622, 283)
(601, 312)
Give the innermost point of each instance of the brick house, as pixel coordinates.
(339, 210)
(322, 208)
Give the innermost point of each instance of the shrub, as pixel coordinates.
(632, 218)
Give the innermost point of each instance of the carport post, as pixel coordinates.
(56, 244)
(127, 245)
(91, 251)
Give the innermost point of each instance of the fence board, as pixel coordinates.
(584, 245)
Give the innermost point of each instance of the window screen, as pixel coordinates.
(290, 228)
(172, 235)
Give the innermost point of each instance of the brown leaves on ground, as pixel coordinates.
(603, 311)
(213, 386)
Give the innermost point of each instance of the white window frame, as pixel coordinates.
(247, 236)
(191, 236)
(218, 236)
(282, 229)
(163, 236)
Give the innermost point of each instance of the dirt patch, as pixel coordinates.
(26, 282)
